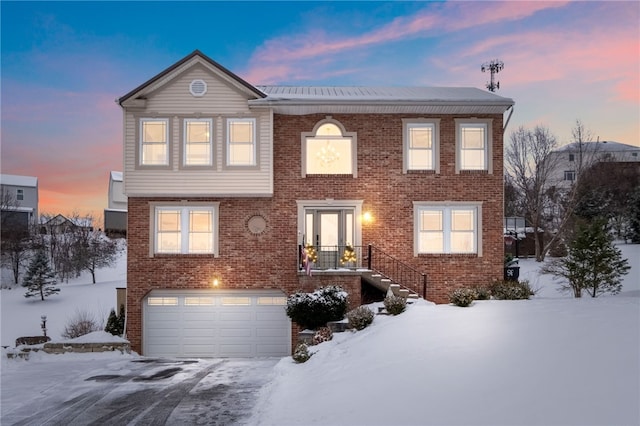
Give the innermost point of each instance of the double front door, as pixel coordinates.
(329, 232)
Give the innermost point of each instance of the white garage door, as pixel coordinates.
(215, 323)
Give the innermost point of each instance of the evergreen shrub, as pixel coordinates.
(360, 317)
(511, 290)
(313, 310)
(395, 305)
(301, 354)
(463, 296)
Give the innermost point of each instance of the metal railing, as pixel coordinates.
(362, 257)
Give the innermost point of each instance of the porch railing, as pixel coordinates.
(367, 257)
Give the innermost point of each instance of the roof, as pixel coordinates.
(17, 180)
(598, 146)
(116, 176)
(195, 53)
(351, 99)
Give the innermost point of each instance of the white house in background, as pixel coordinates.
(19, 202)
(115, 216)
(568, 159)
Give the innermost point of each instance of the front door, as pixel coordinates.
(329, 231)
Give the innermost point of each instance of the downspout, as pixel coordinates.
(508, 118)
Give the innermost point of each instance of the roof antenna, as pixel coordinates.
(494, 67)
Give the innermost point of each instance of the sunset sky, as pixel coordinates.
(64, 64)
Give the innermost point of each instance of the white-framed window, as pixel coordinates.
(572, 157)
(181, 229)
(198, 142)
(241, 146)
(473, 144)
(19, 194)
(421, 139)
(570, 175)
(447, 228)
(329, 150)
(162, 301)
(154, 142)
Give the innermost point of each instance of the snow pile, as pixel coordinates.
(96, 337)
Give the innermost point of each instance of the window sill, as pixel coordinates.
(343, 175)
(473, 172)
(421, 172)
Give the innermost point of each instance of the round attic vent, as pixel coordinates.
(198, 88)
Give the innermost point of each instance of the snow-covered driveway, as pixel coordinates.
(127, 390)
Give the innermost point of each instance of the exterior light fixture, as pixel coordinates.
(367, 217)
(216, 282)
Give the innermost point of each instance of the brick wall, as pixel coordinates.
(269, 260)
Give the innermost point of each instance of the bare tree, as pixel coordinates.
(14, 235)
(93, 250)
(530, 168)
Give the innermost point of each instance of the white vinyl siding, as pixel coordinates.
(421, 144)
(222, 101)
(442, 228)
(473, 145)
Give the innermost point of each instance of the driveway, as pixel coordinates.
(132, 391)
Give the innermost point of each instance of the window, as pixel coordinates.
(154, 142)
(162, 301)
(473, 144)
(198, 301)
(241, 142)
(186, 229)
(329, 150)
(20, 194)
(421, 141)
(446, 228)
(198, 142)
(236, 301)
(570, 175)
(572, 157)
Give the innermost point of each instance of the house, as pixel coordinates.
(60, 224)
(569, 159)
(115, 216)
(227, 183)
(19, 203)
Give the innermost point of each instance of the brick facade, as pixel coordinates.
(269, 260)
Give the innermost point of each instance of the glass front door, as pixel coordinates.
(329, 232)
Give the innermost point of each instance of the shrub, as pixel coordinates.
(511, 290)
(82, 322)
(312, 310)
(360, 317)
(301, 354)
(115, 323)
(323, 334)
(395, 304)
(462, 296)
(483, 293)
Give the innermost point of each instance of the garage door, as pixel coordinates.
(214, 323)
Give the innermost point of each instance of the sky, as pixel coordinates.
(63, 64)
(550, 360)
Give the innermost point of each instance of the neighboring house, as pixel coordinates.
(19, 202)
(227, 181)
(115, 216)
(60, 224)
(569, 159)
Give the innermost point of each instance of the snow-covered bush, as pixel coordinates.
(395, 304)
(462, 296)
(511, 290)
(83, 322)
(312, 310)
(324, 334)
(483, 293)
(360, 317)
(301, 354)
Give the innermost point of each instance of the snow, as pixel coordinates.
(551, 360)
(97, 337)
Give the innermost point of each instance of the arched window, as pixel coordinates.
(329, 150)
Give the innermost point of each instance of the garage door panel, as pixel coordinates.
(233, 323)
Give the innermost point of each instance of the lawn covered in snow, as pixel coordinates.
(551, 360)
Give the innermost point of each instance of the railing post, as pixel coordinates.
(369, 257)
(424, 286)
(299, 257)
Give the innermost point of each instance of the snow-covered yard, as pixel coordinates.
(551, 360)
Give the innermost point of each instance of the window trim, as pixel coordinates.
(139, 144)
(488, 152)
(183, 150)
(184, 207)
(408, 123)
(19, 194)
(256, 143)
(345, 134)
(571, 173)
(447, 207)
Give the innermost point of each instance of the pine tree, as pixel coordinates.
(115, 323)
(40, 278)
(594, 263)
